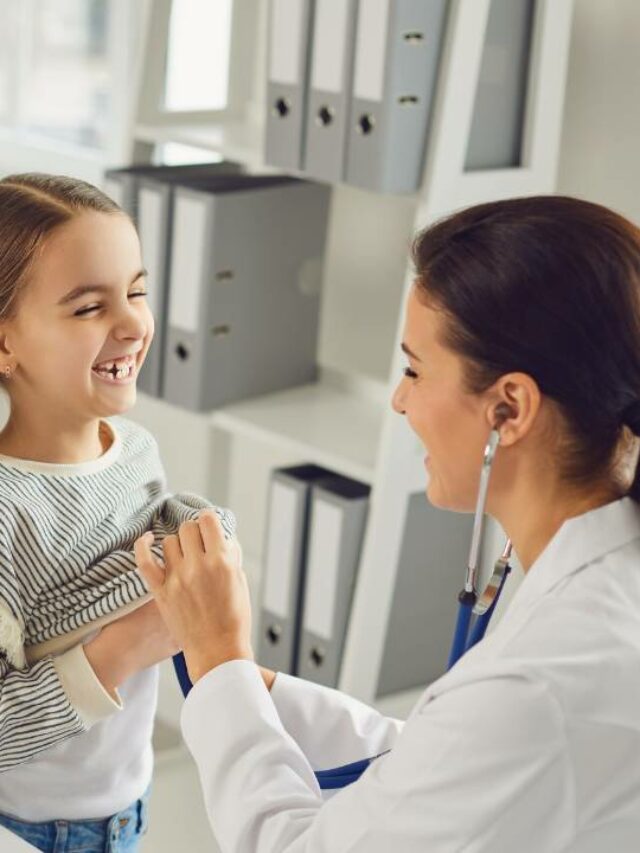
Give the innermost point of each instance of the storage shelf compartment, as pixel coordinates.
(327, 424)
(235, 140)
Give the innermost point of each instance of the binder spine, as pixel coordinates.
(155, 205)
(393, 91)
(330, 83)
(290, 33)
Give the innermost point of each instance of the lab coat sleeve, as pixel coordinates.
(480, 768)
(330, 727)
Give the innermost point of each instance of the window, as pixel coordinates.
(55, 70)
(198, 55)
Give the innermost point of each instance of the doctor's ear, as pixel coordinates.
(515, 408)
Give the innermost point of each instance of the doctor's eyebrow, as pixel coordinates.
(83, 289)
(405, 349)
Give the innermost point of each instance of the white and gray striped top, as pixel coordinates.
(67, 564)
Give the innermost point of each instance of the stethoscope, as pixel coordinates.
(474, 611)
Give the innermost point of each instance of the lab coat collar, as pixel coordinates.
(579, 541)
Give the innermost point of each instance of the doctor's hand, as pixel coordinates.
(201, 592)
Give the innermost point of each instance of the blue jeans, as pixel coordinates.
(120, 833)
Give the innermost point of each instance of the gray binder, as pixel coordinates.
(495, 139)
(284, 565)
(145, 192)
(432, 561)
(289, 40)
(338, 516)
(244, 287)
(397, 57)
(330, 82)
(121, 184)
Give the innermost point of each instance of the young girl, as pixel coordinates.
(79, 484)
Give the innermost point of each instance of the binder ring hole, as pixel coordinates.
(325, 115)
(281, 108)
(224, 275)
(317, 656)
(182, 352)
(408, 100)
(366, 123)
(220, 331)
(274, 632)
(413, 37)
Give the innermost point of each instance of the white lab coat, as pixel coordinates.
(531, 743)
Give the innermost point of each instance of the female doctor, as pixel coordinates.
(525, 316)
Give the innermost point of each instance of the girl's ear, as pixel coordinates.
(6, 351)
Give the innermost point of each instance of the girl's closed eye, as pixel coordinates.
(98, 305)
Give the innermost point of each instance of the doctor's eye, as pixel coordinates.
(410, 374)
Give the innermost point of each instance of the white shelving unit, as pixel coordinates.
(345, 421)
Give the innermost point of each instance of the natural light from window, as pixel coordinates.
(198, 56)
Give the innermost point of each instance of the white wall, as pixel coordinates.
(600, 152)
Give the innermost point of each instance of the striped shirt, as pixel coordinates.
(66, 567)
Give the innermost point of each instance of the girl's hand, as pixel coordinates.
(201, 592)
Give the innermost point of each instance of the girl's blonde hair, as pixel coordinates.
(32, 205)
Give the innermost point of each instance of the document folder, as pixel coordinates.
(338, 516)
(330, 82)
(121, 184)
(145, 192)
(289, 40)
(397, 56)
(244, 286)
(284, 566)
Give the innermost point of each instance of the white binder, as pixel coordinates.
(336, 529)
(397, 56)
(330, 81)
(289, 38)
(284, 568)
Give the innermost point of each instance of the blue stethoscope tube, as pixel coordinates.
(472, 610)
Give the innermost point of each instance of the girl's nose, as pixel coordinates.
(132, 323)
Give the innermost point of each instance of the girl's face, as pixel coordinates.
(83, 305)
(451, 424)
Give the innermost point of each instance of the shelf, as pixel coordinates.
(327, 425)
(235, 140)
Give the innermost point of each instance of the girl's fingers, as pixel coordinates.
(211, 531)
(152, 572)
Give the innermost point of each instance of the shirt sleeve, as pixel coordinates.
(482, 767)
(330, 727)
(35, 712)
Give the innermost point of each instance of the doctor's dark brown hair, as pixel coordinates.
(31, 206)
(548, 286)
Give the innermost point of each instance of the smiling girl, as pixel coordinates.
(79, 484)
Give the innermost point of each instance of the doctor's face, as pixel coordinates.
(451, 423)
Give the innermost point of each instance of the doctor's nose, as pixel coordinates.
(397, 400)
